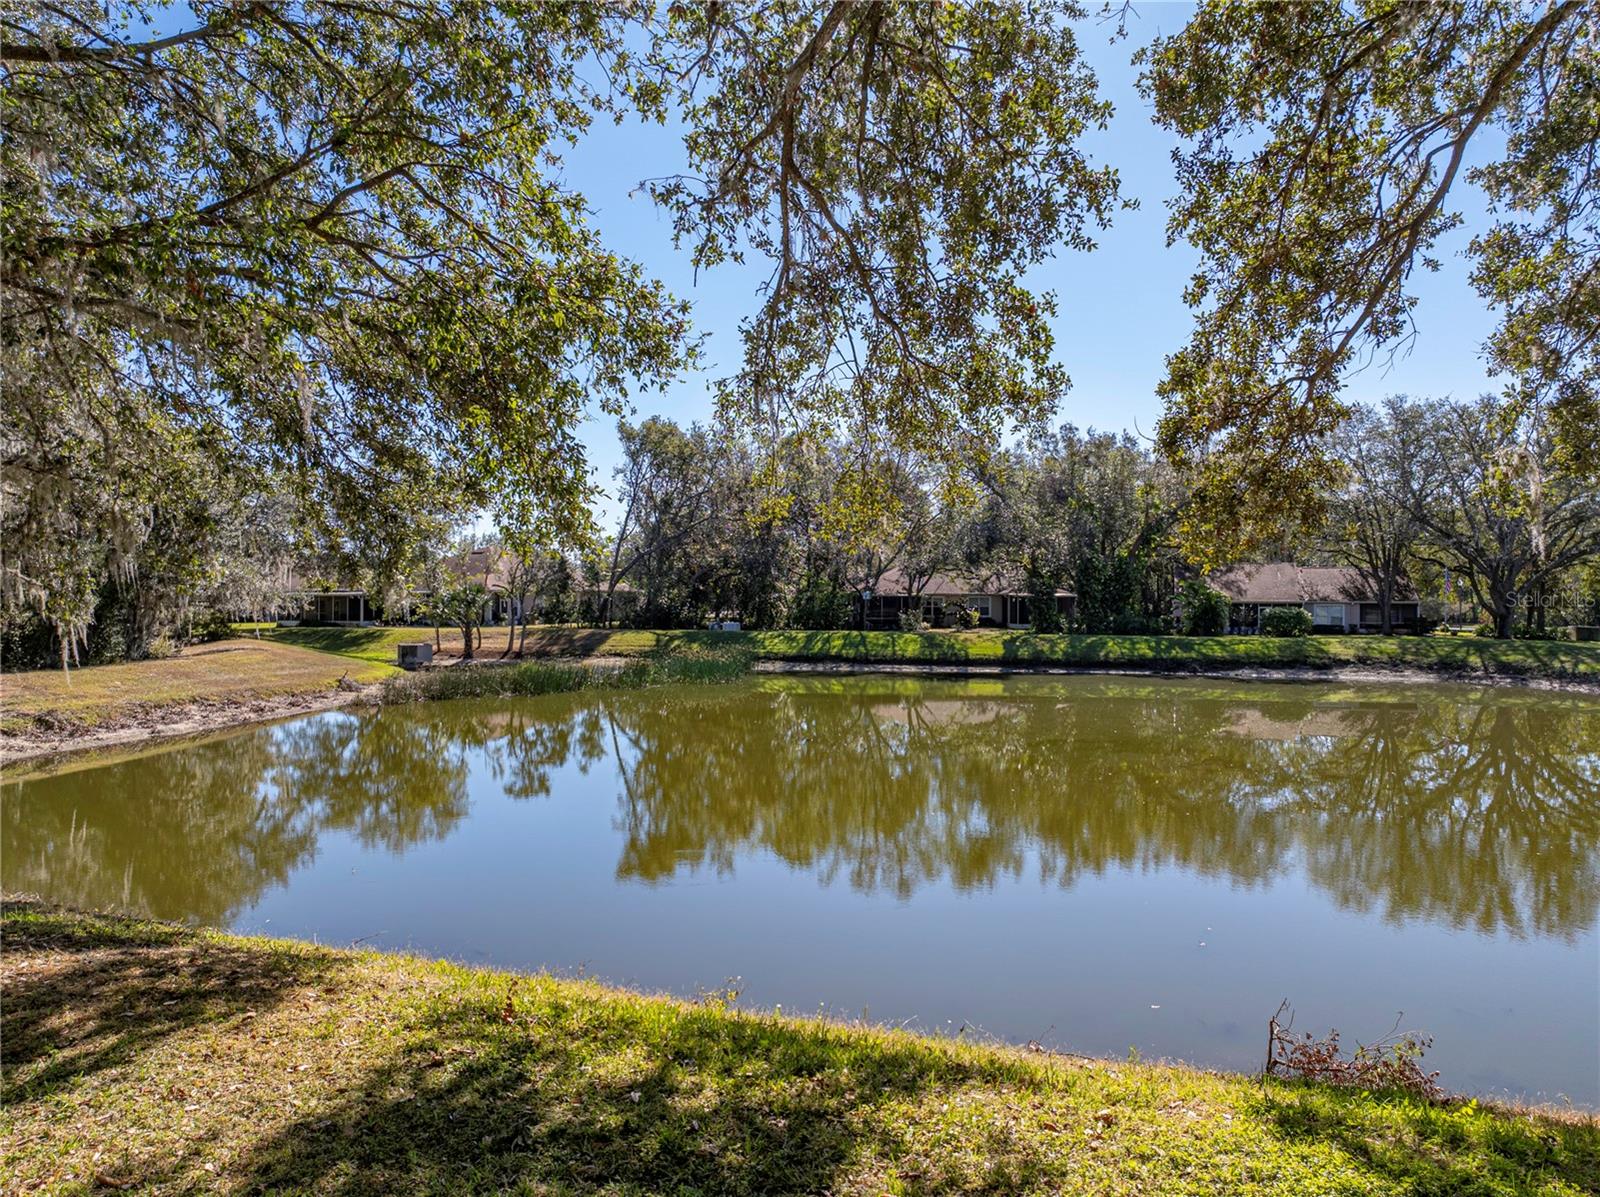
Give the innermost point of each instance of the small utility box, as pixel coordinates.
(415, 656)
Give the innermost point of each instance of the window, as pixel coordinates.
(981, 603)
(1327, 615)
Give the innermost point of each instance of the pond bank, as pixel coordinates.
(225, 685)
(1338, 673)
(157, 724)
(144, 1055)
(1454, 658)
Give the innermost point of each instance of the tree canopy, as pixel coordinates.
(901, 166)
(323, 252)
(329, 241)
(1324, 146)
(325, 239)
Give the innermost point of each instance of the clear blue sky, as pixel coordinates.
(1121, 308)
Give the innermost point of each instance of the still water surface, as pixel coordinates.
(1097, 864)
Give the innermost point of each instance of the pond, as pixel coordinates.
(1096, 864)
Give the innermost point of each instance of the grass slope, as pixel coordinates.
(1464, 655)
(378, 644)
(145, 1057)
(229, 671)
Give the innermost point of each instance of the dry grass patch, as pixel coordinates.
(229, 671)
(146, 1058)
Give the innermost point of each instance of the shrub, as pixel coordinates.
(820, 604)
(1484, 629)
(27, 642)
(1046, 618)
(1286, 621)
(161, 648)
(967, 618)
(911, 620)
(1205, 608)
(211, 627)
(1135, 623)
(1391, 1064)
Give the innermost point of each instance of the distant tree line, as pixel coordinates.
(1443, 494)
(1447, 495)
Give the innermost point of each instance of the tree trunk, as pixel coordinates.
(1504, 613)
(511, 626)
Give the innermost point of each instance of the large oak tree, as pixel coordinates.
(329, 240)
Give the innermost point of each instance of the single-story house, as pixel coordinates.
(344, 607)
(999, 601)
(345, 604)
(309, 599)
(1339, 598)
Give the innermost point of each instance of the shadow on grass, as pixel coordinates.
(350, 642)
(603, 1097)
(1432, 1149)
(565, 642)
(123, 988)
(611, 1097)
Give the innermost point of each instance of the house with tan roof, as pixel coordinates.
(1001, 602)
(1339, 598)
(345, 603)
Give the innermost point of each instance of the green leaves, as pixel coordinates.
(1323, 145)
(900, 166)
(306, 235)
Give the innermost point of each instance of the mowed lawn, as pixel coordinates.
(240, 670)
(1464, 655)
(378, 645)
(143, 1057)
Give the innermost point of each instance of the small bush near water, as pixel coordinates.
(1286, 621)
(671, 666)
(1391, 1064)
(1205, 608)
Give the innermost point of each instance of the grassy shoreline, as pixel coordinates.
(230, 674)
(270, 673)
(1462, 657)
(144, 1056)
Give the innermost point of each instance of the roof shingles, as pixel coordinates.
(1283, 582)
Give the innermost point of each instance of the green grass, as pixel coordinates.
(669, 665)
(144, 1057)
(378, 644)
(364, 644)
(1457, 655)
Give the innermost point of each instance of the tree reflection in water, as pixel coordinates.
(199, 832)
(1472, 809)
